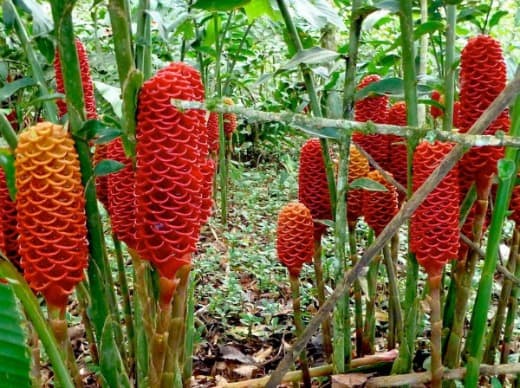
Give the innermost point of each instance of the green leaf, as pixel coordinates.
(392, 86)
(220, 5)
(112, 367)
(95, 128)
(11, 88)
(107, 166)
(366, 184)
(329, 132)
(8, 16)
(111, 94)
(259, 8)
(107, 135)
(318, 13)
(391, 5)
(14, 354)
(311, 56)
(495, 19)
(329, 223)
(506, 169)
(428, 28)
(48, 97)
(7, 163)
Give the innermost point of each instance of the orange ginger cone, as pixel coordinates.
(50, 212)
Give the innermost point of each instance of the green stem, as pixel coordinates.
(231, 67)
(98, 270)
(177, 354)
(506, 179)
(370, 318)
(349, 87)
(313, 96)
(190, 332)
(33, 311)
(8, 133)
(130, 79)
(222, 159)
(395, 312)
(127, 305)
(436, 330)
(143, 45)
(503, 301)
(358, 309)
(84, 302)
(295, 292)
(449, 70)
(37, 72)
(320, 287)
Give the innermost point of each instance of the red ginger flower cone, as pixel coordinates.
(168, 175)
(213, 132)
(435, 223)
(398, 165)
(435, 111)
(8, 232)
(375, 109)
(358, 168)
(313, 190)
(230, 119)
(379, 207)
(482, 78)
(86, 81)
(295, 237)
(51, 215)
(121, 195)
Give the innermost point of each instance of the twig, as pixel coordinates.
(314, 124)
(500, 103)
(425, 377)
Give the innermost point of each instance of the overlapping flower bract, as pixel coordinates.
(313, 190)
(212, 129)
(168, 175)
(230, 119)
(50, 212)
(435, 223)
(398, 165)
(295, 237)
(86, 80)
(121, 197)
(375, 109)
(8, 232)
(482, 78)
(379, 207)
(435, 111)
(358, 168)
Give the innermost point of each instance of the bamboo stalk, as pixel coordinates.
(449, 70)
(506, 180)
(298, 324)
(369, 331)
(395, 312)
(404, 214)
(358, 309)
(143, 44)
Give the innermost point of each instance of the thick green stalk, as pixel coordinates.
(84, 303)
(349, 87)
(190, 332)
(130, 79)
(394, 310)
(358, 309)
(503, 301)
(49, 106)
(320, 288)
(506, 179)
(449, 70)
(8, 133)
(404, 361)
(33, 311)
(143, 44)
(127, 304)
(298, 324)
(340, 229)
(313, 96)
(98, 270)
(423, 58)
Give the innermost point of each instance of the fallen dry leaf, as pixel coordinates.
(349, 380)
(245, 370)
(262, 354)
